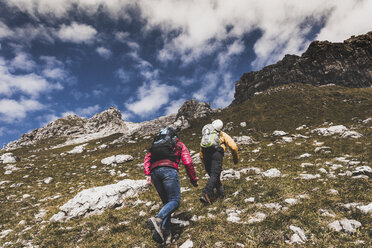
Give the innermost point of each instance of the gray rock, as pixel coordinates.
(362, 170)
(298, 237)
(339, 129)
(77, 149)
(345, 225)
(351, 134)
(256, 217)
(187, 244)
(117, 159)
(272, 173)
(230, 174)
(279, 133)
(243, 140)
(96, 200)
(308, 176)
(365, 208)
(192, 109)
(8, 158)
(48, 180)
(243, 124)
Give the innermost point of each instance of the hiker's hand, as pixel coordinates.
(148, 180)
(235, 160)
(194, 183)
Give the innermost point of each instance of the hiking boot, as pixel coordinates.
(154, 224)
(205, 199)
(168, 240)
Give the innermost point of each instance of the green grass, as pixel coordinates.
(283, 110)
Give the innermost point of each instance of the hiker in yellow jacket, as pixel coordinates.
(213, 145)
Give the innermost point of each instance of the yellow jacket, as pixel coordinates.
(226, 140)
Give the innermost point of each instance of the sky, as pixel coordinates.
(147, 57)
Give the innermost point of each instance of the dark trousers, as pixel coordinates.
(213, 165)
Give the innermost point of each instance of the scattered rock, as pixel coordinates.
(351, 134)
(272, 173)
(341, 130)
(291, 201)
(8, 158)
(323, 150)
(308, 176)
(366, 121)
(118, 159)
(298, 237)
(77, 149)
(5, 233)
(196, 158)
(301, 127)
(48, 180)
(362, 170)
(230, 174)
(243, 124)
(96, 200)
(188, 244)
(243, 140)
(345, 225)
(249, 200)
(305, 155)
(279, 133)
(287, 139)
(257, 217)
(233, 215)
(275, 206)
(365, 208)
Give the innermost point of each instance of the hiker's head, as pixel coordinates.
(217, 124)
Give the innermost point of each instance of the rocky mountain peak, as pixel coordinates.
(110, 118)
(347, 64)
(192, 109)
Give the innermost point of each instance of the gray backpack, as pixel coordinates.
(210, 137)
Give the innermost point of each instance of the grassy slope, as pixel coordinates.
(283, 110)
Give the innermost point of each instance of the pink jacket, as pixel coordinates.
(181, 152)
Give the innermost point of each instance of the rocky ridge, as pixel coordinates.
(347, 64)
(79, 130)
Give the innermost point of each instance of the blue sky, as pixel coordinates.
(146, 57)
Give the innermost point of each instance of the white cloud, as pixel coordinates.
(224, 58)
(54, 68)
(12, 110)
(122, 36)
(123, 75)
(347, 19)
(22, 61)
(88, 111)
(174, 106)
(104, 52)
(2, 130)
(5, 31)
(28, 84)
(150, 98)
(77, 33)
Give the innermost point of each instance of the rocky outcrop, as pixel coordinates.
(106, 123)
(347, 64)
(109, 119)
(192, 109)
(96, 200)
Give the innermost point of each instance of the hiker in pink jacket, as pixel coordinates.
(161, 170)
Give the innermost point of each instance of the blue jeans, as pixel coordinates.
(167, 184)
